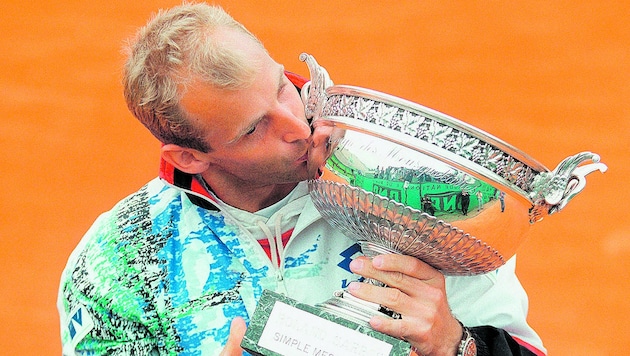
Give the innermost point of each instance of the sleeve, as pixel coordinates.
(493, 341)
(99, 313)
(494, 305)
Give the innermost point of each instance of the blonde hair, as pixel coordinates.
(175, 46)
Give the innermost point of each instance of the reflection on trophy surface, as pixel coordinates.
(403, 178)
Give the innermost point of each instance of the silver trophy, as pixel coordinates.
(402, 178)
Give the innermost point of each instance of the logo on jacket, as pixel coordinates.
(80, 324)
(348, 254)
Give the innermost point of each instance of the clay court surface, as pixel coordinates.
(550, 77)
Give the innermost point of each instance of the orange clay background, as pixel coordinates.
(550, 77)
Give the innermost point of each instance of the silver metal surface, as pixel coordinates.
(388, 157)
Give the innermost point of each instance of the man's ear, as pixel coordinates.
(187, 160)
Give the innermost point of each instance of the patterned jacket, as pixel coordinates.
(166, 270)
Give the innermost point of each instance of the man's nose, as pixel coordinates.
(295, 128)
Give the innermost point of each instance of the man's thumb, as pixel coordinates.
(237, 331)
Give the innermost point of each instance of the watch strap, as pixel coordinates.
(467, 345)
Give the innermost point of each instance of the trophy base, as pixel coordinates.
(281, 326)
(352, 308)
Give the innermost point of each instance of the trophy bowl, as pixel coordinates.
(403, 178)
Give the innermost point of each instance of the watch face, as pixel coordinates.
(470, 348)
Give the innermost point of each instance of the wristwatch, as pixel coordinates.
(467, 346)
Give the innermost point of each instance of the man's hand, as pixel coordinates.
(233, 345)
(417, 292)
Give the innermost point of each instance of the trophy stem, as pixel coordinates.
(370, 250)
(353, 308)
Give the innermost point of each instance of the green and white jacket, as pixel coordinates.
(166, 270)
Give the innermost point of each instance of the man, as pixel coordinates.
(427, 205)
(170, 268)
(464, 199)
(479, 195)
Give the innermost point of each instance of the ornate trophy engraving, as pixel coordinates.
(402, 178)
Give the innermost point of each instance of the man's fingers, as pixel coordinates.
(237, 331)
(407, 265)
(402, 272)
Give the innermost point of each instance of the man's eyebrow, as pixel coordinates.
(245, 130)
(255, 122)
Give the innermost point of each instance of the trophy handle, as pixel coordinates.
(551, 191)
(314, 92)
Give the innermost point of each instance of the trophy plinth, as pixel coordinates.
(401, 178)
(282, 326)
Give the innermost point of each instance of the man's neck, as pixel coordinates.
(249, 198)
